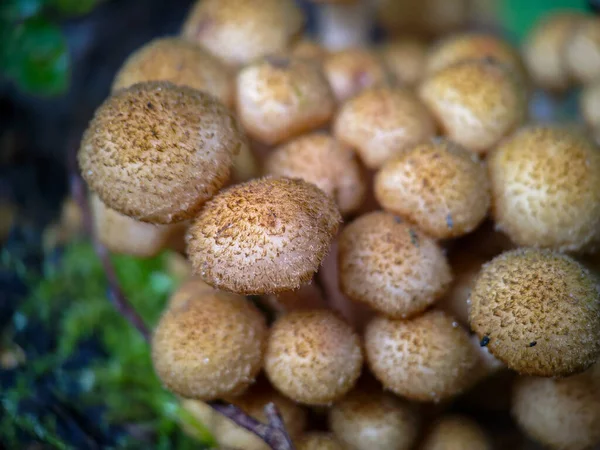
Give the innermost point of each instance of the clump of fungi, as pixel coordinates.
(454, 223)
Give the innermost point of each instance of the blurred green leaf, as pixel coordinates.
(73, 7)
(14, 10)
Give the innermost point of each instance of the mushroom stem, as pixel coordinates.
(341, 26)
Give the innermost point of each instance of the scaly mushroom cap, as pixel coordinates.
(383, 122)
(391, 266)
(156, 152)
(561, 414)
(240, 31)
(582, 51)
(182, 63)
(538, 312)
(210, 346)
(320, 159)
(474, 46)
(405, 59)
(318, 441)
(368, 419)
(476, 103)
(543, 51)
(428, 358)
(456, 432)
(439, 186)
(546, 188)
(264, 236)
(280, 97)
(352, 71)
(590, 105)
(313, 357)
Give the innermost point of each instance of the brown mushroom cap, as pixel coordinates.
(352, 71)
(589, 102)
(182, 63)
(156, 152)
(405, 59)
(543, 51)
(538, 311)
(391, 266)
(439, 186)
(240, 31)
(476, 103)
(546, 188)
(428, 358)
(474, 46)
(455, 432)
(210, 346)
(318, 441)
(264, 236)
(313, 357)
(281, 97)
(309, 50)
(561, 414)
(189, 290)
(368, 419)
(320, 159)
(122, 234)
(582, 51)
(383, 122)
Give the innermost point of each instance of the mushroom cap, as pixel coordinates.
(210, 346)
(353, 70)
(320, 159)
(428, 358)
(313, 357)
(440, 186)
(539, 311)
(391, 266)
(383, 122)
(156, 152)
(582, 51)
(280, 97)
(309, 49)
(318, 441)
(561, 414)
(405, 59)
(589, 104)
(546, 188)
(474, 46)
(252, 402)
(240, 31)
(456, 432)
(267, 235)
(368, 419)
(189, 290)
(476, 103)
(201, 412)
(182, 63)
(122, 234)
(543, 50)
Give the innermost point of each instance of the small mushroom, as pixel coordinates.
(209, 346)
(240, 31)
(267, 235)
(320, 159)
(189, 290)
(589, 102)
(476, 103)
(428, 358)
(280, 97)
(383, 122)
(313, 357)
(318, 441)
(391, 266)
(560, 413)
(405, 59)
(182, 63)
(582, 51)
(456, 432)
(369, 419)
(353, 70)
(538, 312)
(156, 152)
(440, 186)
(546, 188)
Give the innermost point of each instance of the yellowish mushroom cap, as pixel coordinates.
(582, 51)
(405, 59)
(455, 432)
(589, 102)
(318, 441)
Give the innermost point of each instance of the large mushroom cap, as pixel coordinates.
(182, 63)
(209, 346)
(546, 188)
(239, 31)
(157, 152)
(267, 235)
(538, 311)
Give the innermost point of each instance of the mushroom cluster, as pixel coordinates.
(372, 231)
